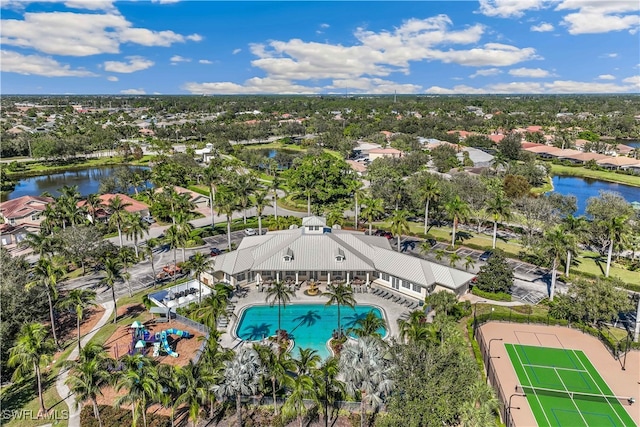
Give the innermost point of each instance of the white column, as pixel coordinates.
(348, 276)
(277, 276)
(367, 278)
(328, 277)
(297, 281)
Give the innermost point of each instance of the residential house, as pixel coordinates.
(24, 210)
(377, 153)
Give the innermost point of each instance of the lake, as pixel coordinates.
(87, 180)
(583, 188)
(634, 144)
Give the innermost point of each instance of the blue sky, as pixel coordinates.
(327, 47)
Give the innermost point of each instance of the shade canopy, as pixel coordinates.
(137, 324)
(140, 344)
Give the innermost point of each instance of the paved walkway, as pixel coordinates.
(474, 299)
(61, 387)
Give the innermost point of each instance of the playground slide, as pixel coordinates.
(165, 343)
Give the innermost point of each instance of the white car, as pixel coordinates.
(148, 219)
(250, 232)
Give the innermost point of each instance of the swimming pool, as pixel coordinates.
(311, 325)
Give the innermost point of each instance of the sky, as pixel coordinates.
(173, 47)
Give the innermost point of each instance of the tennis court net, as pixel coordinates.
(575, 395)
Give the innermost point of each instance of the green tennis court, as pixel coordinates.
(564, 389)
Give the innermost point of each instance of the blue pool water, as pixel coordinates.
(310, 324)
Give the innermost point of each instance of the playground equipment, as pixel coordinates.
(140, 337)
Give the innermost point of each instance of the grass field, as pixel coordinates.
(564, 389)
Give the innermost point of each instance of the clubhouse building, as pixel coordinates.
(316, 252)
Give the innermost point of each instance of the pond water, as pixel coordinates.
(634, 144)
(87, 180)
(583, 188)
(283, 156)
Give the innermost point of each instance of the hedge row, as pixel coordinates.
(111, 416)
(495, 296)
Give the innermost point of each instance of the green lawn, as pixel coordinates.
(578, 171)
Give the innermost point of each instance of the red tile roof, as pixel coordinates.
(24, 206)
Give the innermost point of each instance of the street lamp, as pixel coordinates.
(489, 355)
(508, 410)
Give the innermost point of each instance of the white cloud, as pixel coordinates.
(324, 25)
(133, 92)
(555, 87)
(510, 8)
(254, 85)
(194, 37)
(14, 62)
(205, 61)
(165, 1)
(72, 4)
(136, 63)
(600, 16)
(177, 58)
(236, 51)
(536, 73)
(486, 72)
(542, 28)
(84, 34)
(492, 54)
(606, 77)
(112, 78)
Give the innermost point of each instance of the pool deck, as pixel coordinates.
(391, 310)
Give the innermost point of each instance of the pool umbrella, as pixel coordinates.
(140, 344)
(137, 325)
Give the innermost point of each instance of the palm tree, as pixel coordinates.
(172, 236)
(199, 264)
(212, 364)
(88, 374)
(499, 208)
(335, 214)
(212, 178)
(194, 389)
(260, 199)
(367, 372)
(275, 185)
(93, 203)
(44, 245)
(32, 350)
(618, 228)
(134, 227)
(111, 267)
(47, 275)
(302, 388)
(454, 258)
(127, 258)
(458, 210)
(215, 305)
(227, 203)
(416, 329)
(307, 361)
(244, 185)
(468, 263)
(373, 209)
(148, 251)
(117, 211)
(330, 388)
(358, 194)
(280, 293)
(576, 227)
(399, 224)
(79, 300)
(277, 366)
(430, 192)
(555, 244)
(140, 380)
(241, 376)
(184, 229)
(369, 326)
(339, 294)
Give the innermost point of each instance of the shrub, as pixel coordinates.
(118, 417)
(495, 296)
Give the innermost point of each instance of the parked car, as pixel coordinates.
(215, 252)
(388, 235)
(148, 219)
(486, 255)
(250, 231)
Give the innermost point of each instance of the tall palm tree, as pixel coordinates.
(339, 294)
(172, 236)
(399, 224)
(214, 306)
(31, 351)
(134, 227)
(88, 375)
(330, 388)
(117, 211)
(307, 361)
(430, 192)
(367, 372)
(358, 195)
(261, 200)
(302, 389)
(199, 264)
(147, 250)
(140, 380)
(47, 275)
(244, 185)
(194, 389)
(454, 258)
(212, 364)
(416, 329)
(241, 376)
(111, 267)
(618, 228)
(275, 186)
(277, 366)
(576, 227)
(373, 209)
(369, 326)
(468, 263)
(93, 203)
(458, 210)
(43, 244)
(184, 229)
(279, 293)
(79, 300)
(127, 258)
(212, 178)
(555, 244)
(499, 207)
(227, 203)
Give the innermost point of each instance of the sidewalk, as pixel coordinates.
(61, 387)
